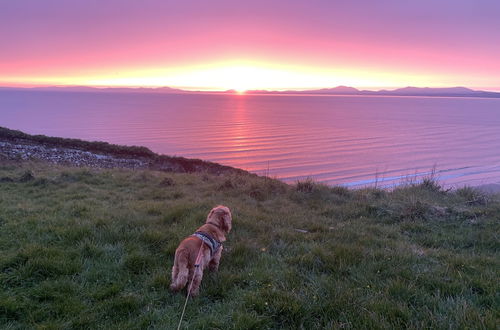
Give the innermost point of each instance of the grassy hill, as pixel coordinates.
(93, 248)
(19, 145)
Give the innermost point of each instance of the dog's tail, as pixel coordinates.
(180, 271)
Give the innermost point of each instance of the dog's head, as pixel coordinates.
(221, 216)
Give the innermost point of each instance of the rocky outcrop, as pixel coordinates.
(66, 156)
(16, 145)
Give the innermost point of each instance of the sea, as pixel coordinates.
(354, 141)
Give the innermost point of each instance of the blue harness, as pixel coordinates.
(212, 243)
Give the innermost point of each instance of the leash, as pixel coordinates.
(196, 266)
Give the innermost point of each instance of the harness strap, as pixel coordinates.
(211, 242)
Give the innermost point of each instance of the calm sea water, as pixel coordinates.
(349, 140)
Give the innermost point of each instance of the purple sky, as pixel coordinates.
(302, 43)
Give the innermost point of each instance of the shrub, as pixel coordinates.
(167, 182)
(341, 191)
(430, 184)
(414, 210)
(26, 176)
(307, 185)
(472, 196)
(227, 184)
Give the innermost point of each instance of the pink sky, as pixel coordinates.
(251, 44)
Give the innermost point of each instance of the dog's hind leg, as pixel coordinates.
(180, 271)
(197, 277)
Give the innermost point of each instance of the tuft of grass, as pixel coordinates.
(26, 177)
(472, 196)
(167, 182)
(430, 184)
(306, 186)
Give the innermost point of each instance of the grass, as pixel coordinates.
(89, 248)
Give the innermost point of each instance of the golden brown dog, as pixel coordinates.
(204, 248)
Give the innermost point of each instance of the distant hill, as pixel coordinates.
(406, 91)
(339, 90)
(100, 89)
(427, 91)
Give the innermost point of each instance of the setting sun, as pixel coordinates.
(242, 76)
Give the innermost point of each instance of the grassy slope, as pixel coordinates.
(155, 161)
(93, 249)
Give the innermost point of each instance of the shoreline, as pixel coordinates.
(19, 146)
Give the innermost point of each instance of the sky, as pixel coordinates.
(218, 45)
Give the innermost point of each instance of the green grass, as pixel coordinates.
(93, 249)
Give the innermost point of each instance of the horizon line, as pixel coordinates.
(217, 90)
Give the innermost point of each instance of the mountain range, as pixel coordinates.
(406, 91)
(339, 90)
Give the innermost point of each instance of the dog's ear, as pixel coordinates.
(210, 214)
(225, 220)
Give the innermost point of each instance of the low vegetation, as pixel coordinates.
(93, 249)
(154, 161)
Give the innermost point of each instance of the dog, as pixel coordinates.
(202, 249)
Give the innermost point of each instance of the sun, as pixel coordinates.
(243, 76)
(240, 78)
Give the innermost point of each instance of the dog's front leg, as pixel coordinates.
(213, 265)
